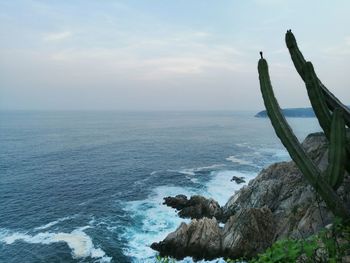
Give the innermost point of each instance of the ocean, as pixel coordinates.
(88, 186)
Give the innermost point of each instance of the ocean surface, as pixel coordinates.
(88, 186)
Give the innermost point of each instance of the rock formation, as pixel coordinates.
(196, 207)
(238, 180)
(276, 204)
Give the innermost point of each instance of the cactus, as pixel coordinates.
(337, 155)
(296, 151)
(318, 94)
(299, 61)
(317, 99)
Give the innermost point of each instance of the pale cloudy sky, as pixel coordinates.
(166, 54)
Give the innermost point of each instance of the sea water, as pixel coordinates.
(89, 186)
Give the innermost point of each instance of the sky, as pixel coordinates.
(150, 55)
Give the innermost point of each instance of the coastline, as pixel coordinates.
(277, 204)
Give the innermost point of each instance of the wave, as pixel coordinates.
(78, 241)
(234, 159)
(193, 171)
(151, 221)
(220, 187)
(48, 225)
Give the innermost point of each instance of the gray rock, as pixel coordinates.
(195, 208)
(238, 180)
(278, 203)
(178, 202)
(248, 233)
(200, 239)
(175, 243)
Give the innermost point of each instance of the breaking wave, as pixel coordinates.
(78, 241)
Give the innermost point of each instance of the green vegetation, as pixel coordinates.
(331, 122)
(327, 246)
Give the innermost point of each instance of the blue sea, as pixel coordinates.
(89, 186)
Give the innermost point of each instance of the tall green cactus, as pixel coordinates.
(317, 98)
(299, 62)
(322, 100)
(337, 155)
(296, 151)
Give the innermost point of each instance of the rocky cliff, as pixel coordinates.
(278, 203)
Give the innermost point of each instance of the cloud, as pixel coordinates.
(339, 50)
(58, 36)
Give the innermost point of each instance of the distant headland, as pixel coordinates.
(291, 112)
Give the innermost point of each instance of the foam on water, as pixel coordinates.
(48, 225)
(220, 187)
(235, 159)
(154, 221)
(193, 171)
(78, 241)
(280, 154)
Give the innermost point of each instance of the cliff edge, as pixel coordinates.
(278, 203)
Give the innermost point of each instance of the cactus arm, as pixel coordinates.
(319, 105)
(320, 97)
(296, 55)
(297, 153)
(337, 155)
(299, 61)
(317, 99)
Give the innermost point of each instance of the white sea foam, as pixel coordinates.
(220, 186)
(282, 154)
(155, 221)
(48, 225)
(235, 159)
(193, 171)
(78, 241)
(245, 145)
(185, 260)
(279, 154)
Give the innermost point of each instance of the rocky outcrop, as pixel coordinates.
(200, 239)
(278, 203)
(238, 179)
(297, 210)
(195, 208)
(249, 232)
